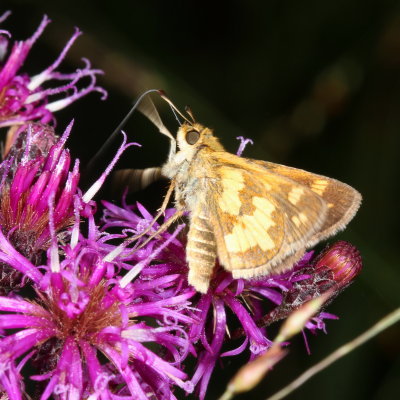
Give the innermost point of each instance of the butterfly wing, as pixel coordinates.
(134, 180)
(342, 200)
(262, 220)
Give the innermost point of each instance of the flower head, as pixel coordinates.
(233, 310)
(36, 169)
(81, 312)
(342, 261)
(23, 97)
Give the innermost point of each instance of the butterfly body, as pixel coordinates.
(256, 217)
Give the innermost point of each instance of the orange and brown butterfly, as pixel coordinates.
(256, 217)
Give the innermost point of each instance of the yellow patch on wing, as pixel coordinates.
(296, 220)
(267, 187)
(252, 230)
(263, 212)
(295, 194)
(319, 186)
(299, 219)
(232, 183)
(303, 217)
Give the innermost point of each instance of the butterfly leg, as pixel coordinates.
(158, 215)
(161, 229)
(201, 253)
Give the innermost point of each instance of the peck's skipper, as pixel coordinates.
(257, 217)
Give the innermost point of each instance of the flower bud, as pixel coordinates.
(343, 260)
(332, 271)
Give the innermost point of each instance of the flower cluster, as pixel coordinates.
(82, 317)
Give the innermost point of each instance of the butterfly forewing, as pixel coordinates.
(260, 219)
(342, 200)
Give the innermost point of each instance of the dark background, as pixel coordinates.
(315, 84)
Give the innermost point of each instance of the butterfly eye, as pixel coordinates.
(192, 137)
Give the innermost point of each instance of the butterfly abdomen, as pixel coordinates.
(201, 252)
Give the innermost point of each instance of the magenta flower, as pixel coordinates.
(253, 303)
(248, 301)
(84, 334)
(36, 169)
(79, 332)
(23, 97)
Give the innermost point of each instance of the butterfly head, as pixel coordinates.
(195, 136)
(191, 135)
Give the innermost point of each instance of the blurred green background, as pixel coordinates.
(315, 84)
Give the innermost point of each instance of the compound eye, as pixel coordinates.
(192, 137)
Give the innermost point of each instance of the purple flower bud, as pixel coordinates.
(343, 260)
(333, 270)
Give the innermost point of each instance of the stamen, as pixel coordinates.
(54, 256)
(138, 267)
(75, 228)
(243, 144)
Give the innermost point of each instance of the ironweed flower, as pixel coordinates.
(84, 334)
(79, 333)
(232, 308)
(342, 261)
(37, 168)
(23, 98)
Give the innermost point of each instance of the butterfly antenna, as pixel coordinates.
(148, 110)
(174, 108)
(190, 113)
(176, 115)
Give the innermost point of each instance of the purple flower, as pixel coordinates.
(36, 169)
(246, 301)
(84, 335)
(23, 97)
(233, 308)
